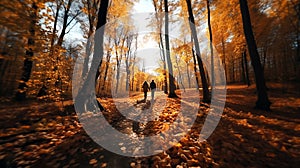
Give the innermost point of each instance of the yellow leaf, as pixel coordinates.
(93, 161)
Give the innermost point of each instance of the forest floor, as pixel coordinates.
(40, 135)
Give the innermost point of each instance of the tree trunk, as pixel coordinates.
(195, 70)
(119, 60)
(133, 63)
(172, 86)
(164, 66)
(206, 97)
(86, 58)
(161, 45)
(232, 71)
(188, 74)
(179, 76)
(264, 57)
(91, 18)
(246, 68)
(243, 69)
(262, 96)
(85, 96)
(27, 66)
(65, 22)
(224, 57)
(54, 30)
(108, 56)
(128, 60)
(211, 46)
(118, 72)
(127, 63)
(132, 78)
(118, 79)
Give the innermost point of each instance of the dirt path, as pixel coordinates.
(42, 136)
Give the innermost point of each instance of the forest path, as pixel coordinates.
(42, 136)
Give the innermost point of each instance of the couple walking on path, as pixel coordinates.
(146, 88)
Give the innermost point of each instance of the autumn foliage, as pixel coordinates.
(53, 53)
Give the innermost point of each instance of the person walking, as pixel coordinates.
(153, 88)
(146, 88)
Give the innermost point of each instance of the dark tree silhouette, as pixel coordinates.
(262, 96)
(211, 44)
(195, 69)
(172, 86)
(161, 44)
(27, 67)
(206, 97)
(91, 8)
(85, 96)
(245, 64)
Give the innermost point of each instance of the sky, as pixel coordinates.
(144, 6)
(148, 50)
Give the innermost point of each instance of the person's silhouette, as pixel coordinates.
(145, 89)
(153, 88)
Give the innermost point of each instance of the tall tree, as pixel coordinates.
(56, 16)
(129, 58)
(262, 96)
(68, 18)
(91, 9)
(119, 40)
(210, 44)
(107, 63)
(68, 11)
(172, 86)
(195, 70)
(245, 63)
(27, 67)
(206, 97)
(159, 19)
(84, 96)
(183, 52)
(133, 63)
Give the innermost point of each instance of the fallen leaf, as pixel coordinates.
(93, 161)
